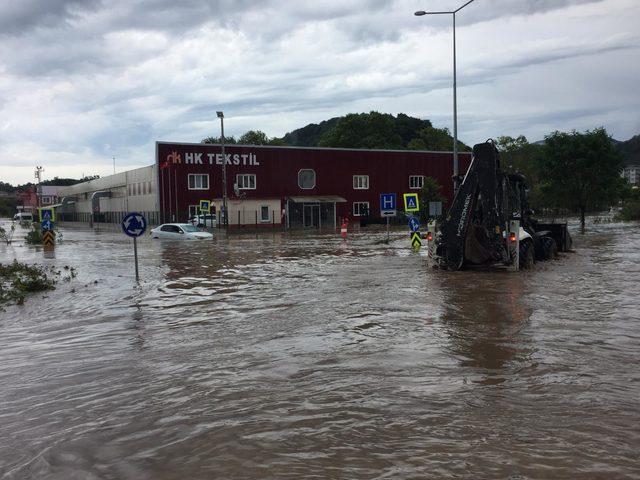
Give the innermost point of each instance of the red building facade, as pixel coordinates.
(311, 186)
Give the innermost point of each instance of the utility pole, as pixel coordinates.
(225, 219)
(420, 13)
(114, 165)
(38, 176)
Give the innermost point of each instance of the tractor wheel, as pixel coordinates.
(550, 248)
(526, 256)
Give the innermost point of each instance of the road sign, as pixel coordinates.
(47, 225)
(48, 238)
(205, 206)
(435, 209)
(411, 202)
(134, 224)
(388, 204)
(416, 241)
(414, 224)
(47, 213)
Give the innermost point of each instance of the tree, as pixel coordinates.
(517, 155)
(227, 140)
(277, 142)
(510, 144)
(253, 137)
(430, 192)
(363, 130)
(580, 170)
(437, 139)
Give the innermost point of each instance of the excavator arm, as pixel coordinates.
(472, 229)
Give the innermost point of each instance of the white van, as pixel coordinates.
(23, 217)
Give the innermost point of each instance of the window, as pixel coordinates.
(198, 181)
(361, 182)
(416, 181)
(170, 228)
(46, 200)
(246, 181)
(360, 209)
(194, 210)
(264, 213)
(307, 179)
(149, 187)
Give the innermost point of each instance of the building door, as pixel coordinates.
(311, 215)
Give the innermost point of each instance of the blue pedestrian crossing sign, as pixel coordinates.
(411, 202)
(134, 224)
(47, 213)
(414, 224)
(205, 206)
(388, 204)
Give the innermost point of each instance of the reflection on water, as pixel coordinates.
(484, 313)
(302, 356)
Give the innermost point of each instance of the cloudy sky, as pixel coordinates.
(83, 81)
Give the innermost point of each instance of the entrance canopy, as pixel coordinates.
(312, 211)
(318, 199)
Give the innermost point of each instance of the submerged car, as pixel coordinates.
(208, 220)
(181, 231)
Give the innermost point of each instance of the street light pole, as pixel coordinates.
(456, 169)
(225, 221)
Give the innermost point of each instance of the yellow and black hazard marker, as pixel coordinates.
(48, 238)
(416, 241)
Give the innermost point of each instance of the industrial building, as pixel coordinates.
(267, 186)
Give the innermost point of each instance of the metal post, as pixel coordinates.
(387, 229)
(224, 172)
(455, 113)
(135, 254)
(456, 170)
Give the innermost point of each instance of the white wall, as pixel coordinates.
(134, 190)
(248, 209)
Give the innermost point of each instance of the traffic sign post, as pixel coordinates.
(414, 227)
(414, 224)
(205, 207)
(435, 209)
(48, 238)
(411, 203)
(388, 207)
(134, 225)
(47, 213)
(416, 241)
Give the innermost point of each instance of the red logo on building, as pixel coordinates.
(173, 158)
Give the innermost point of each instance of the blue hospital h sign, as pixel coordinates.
(387, 204)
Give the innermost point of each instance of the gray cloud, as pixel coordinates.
(87, 79)
(20, 17)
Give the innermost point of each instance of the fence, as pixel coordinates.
(104, 217)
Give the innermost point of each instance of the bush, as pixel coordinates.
(18, 279)
(630, 211)
(34, 237)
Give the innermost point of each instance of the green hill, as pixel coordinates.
(630, 150)
(373, 130)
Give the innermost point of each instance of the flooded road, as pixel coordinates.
(300, 356)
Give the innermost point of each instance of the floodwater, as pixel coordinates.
(302, 356)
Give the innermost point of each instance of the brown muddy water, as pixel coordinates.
(301, 356)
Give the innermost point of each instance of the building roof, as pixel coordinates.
(288, 147)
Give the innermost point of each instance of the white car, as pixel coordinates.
(180, 231)
(23, 217)
(198, 220)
